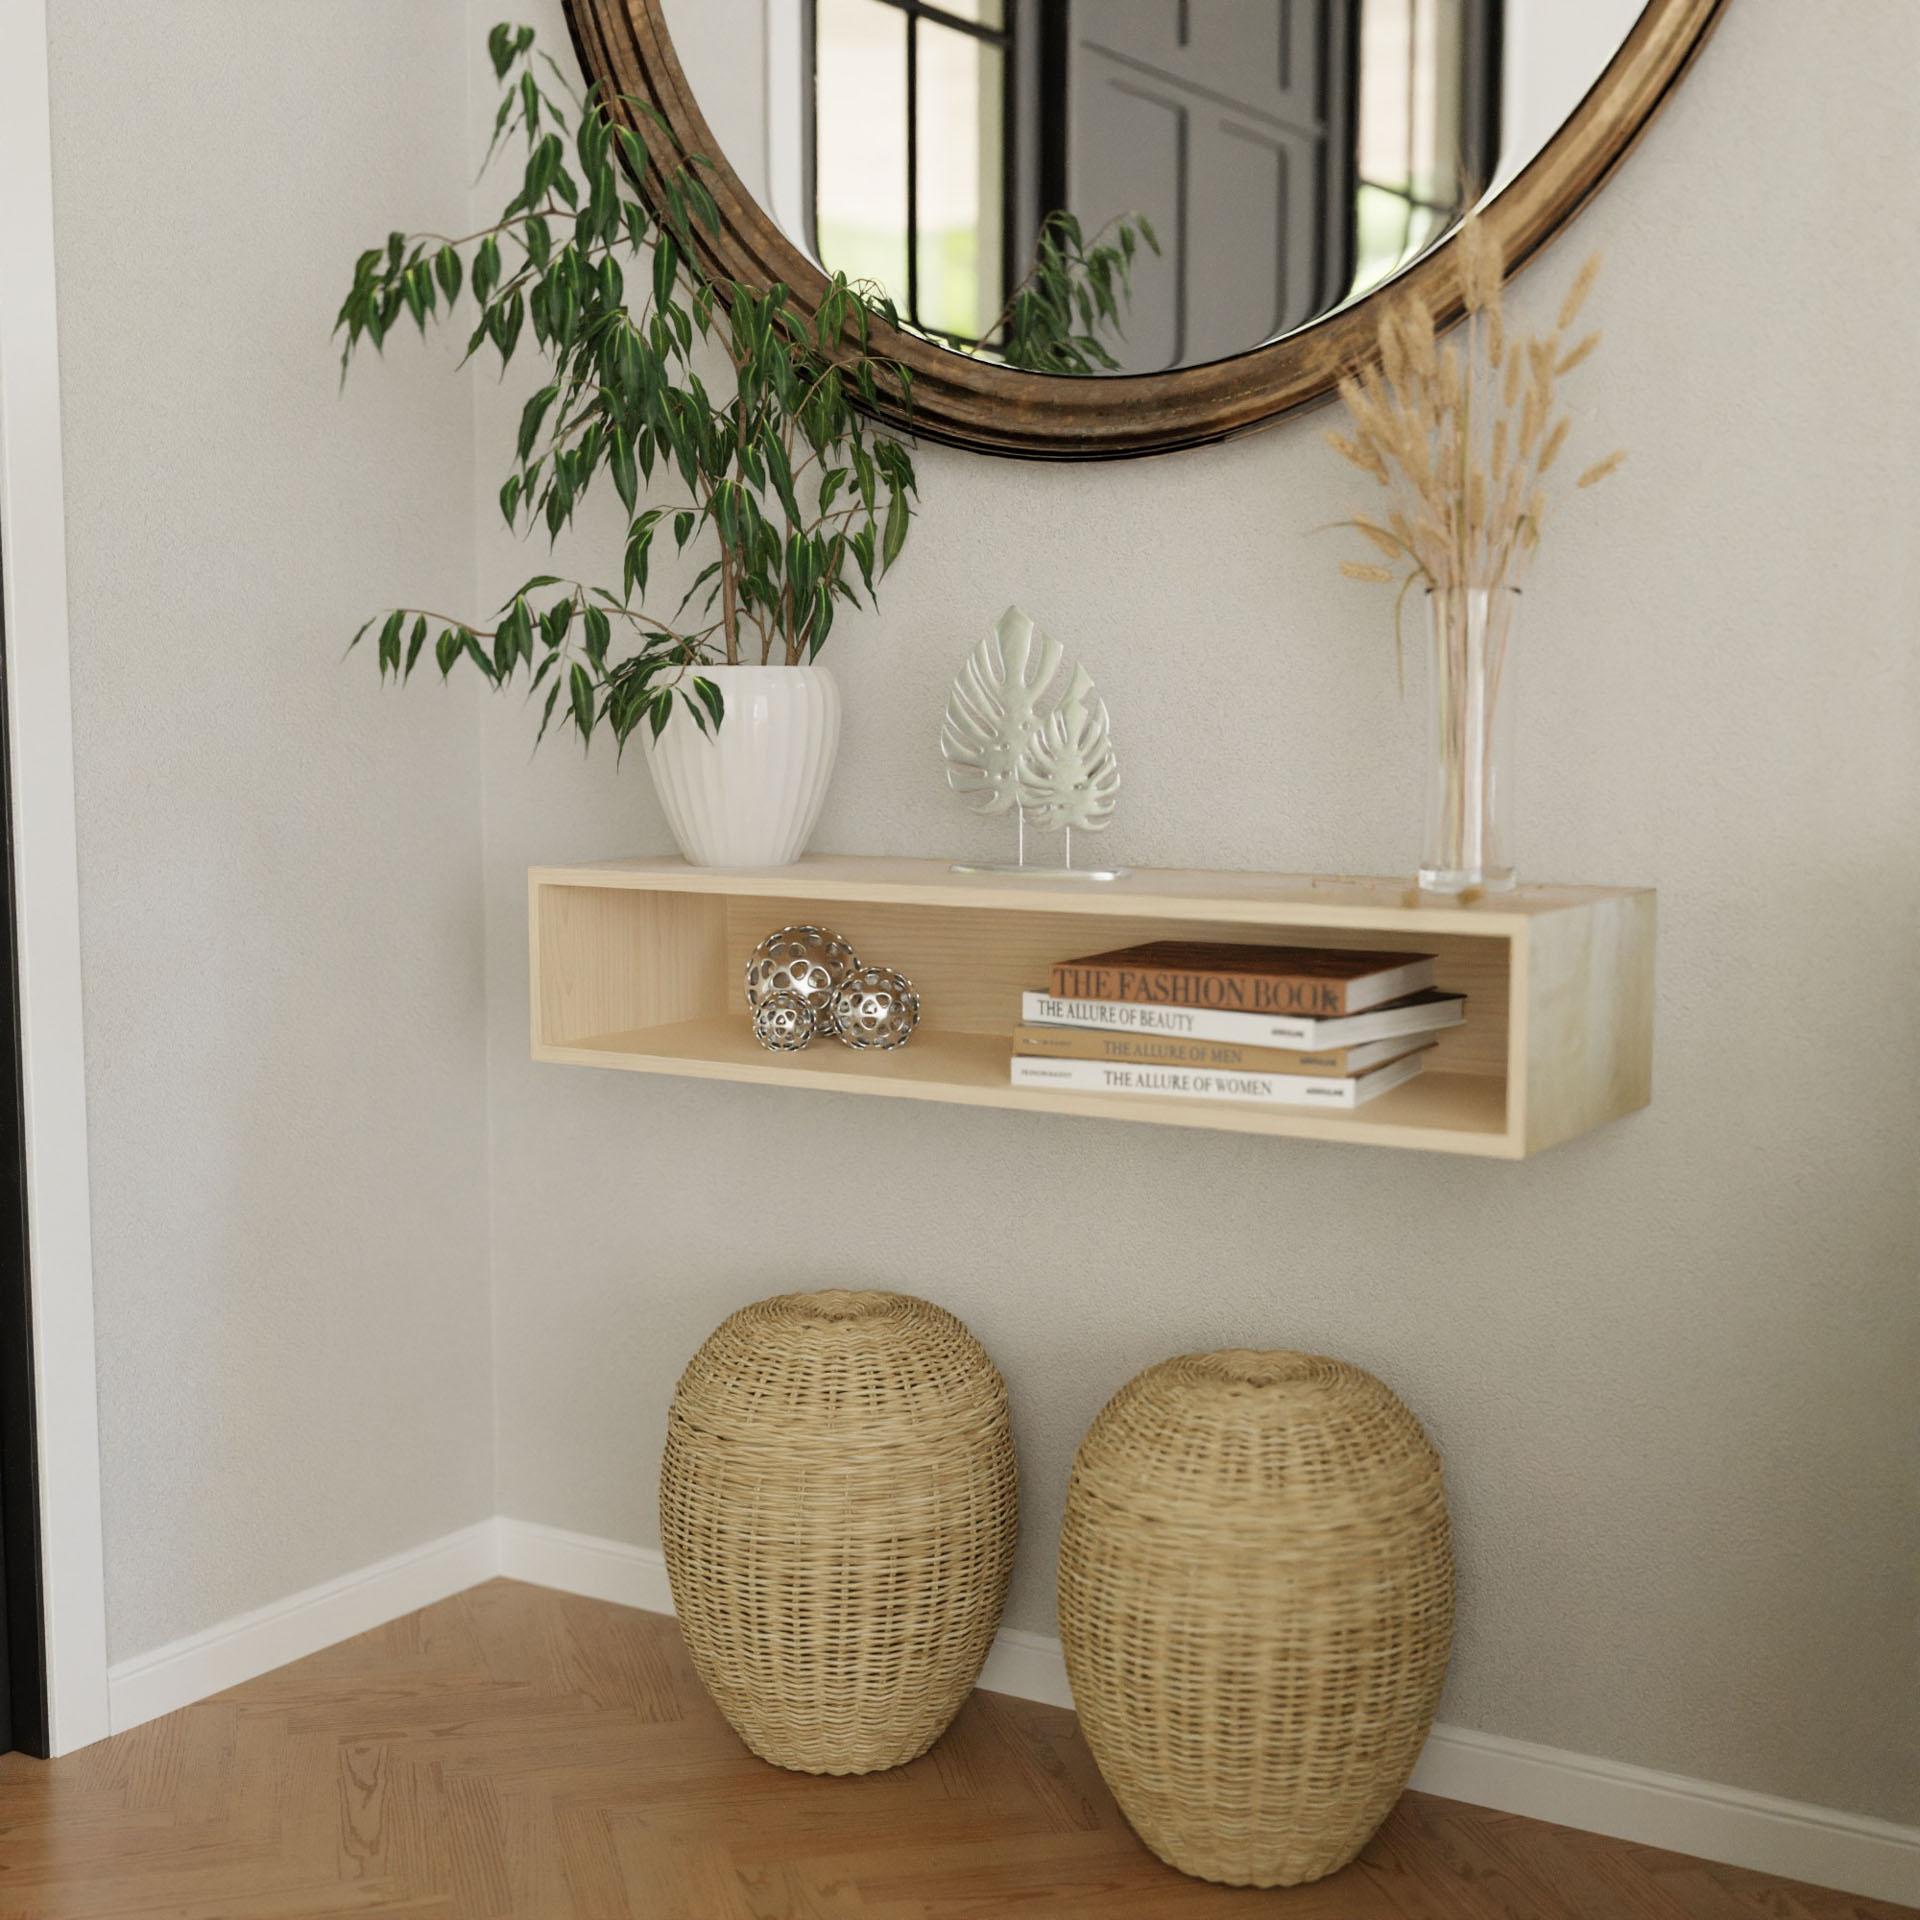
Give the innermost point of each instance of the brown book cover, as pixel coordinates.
(1214, 1056)
(1244, 979)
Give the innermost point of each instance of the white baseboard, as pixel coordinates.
(1857, 1855)
(584, 1564)
(254, 1643)
(1029, 1666)
(1787, 1837)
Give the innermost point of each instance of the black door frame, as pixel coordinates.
(23, 1641)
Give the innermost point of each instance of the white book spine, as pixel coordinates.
(1296, 1032)
(1185, 1023)
(1192, 1083)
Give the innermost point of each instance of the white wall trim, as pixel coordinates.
(254, 1643)
(1029, 1666)
(583, 1563)
(1785, 1837)
(46, 867)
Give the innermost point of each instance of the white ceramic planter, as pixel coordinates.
(748, 795)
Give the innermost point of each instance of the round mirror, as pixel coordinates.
(1121, 226)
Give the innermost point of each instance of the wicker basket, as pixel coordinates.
(838, 1506)
(1256, 1603)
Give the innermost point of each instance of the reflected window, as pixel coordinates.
(909, 154)
(1428, 124)
(1288, 154)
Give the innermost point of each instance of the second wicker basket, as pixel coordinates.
(1256, 1604)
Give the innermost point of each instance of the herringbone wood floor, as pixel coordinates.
(518, 1752)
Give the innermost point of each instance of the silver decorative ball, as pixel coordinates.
(876, 1008)
(784, 1023)
(811, 962)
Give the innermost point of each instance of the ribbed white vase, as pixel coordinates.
(748, 795)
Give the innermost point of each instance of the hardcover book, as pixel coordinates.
(1230, 978)
(1196, 1083)
(1420, 1013)
(1170, 1050)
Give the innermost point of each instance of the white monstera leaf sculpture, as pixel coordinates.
(1068, 777)
(1053, 771)
(991, 719)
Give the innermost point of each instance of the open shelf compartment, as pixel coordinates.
(640, 964)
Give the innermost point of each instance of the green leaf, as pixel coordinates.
(683, 524)
(580, 697)
(710, 698)
(633, 150)
(598, 636)
(505, 325)
(486, 269)
(448, 270)
(389, 645)
(531, 417)
(513, 638)
(416, 641)
(639, 544)
(626, 476)
(470, 646)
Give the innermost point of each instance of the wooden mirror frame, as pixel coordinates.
(625, 45)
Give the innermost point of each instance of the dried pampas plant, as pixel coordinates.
(1463, 436)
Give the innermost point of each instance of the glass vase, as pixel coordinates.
(1469, 739)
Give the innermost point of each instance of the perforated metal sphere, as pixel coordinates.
(876, 1008)
(811, 962)
(784, 1023)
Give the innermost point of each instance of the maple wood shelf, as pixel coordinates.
(640, 964)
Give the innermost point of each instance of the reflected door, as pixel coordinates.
(1230, 128)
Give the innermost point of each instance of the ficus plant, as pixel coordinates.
(1075, 287)
(754, 417)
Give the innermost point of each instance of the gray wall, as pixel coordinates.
(1671, 1364)
(278, 862)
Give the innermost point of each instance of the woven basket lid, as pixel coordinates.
(838, 1359)
(1273, 1440)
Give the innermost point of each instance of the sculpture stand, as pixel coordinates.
(1019, 867)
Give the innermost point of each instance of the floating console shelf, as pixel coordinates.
(640, 964)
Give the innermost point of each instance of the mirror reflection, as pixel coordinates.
(1137, 185)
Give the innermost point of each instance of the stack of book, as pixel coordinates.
(1213, 1020)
